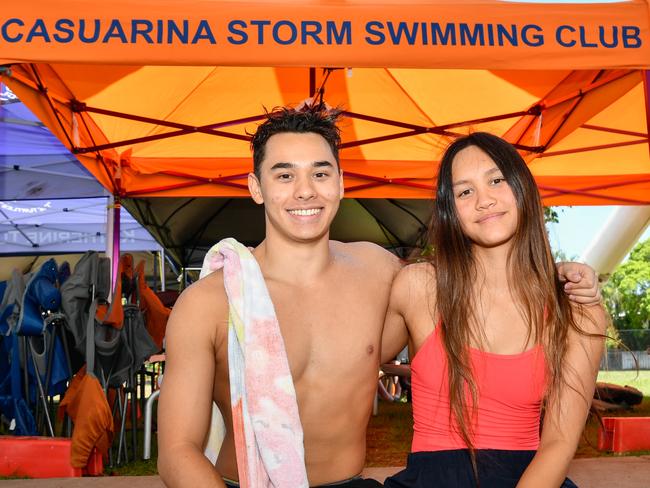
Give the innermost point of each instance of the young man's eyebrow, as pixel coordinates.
(315, 164)
(322, 164)
(282, 166)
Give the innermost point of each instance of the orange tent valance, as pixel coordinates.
(476, 34)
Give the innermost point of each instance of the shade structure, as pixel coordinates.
(34, 164)
(32, 227)
(49, 203)
(188, 227)
(161, 101)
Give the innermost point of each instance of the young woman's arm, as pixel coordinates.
(410, 312)
(395, 334)
(565, 418)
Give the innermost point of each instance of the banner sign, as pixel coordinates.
(480, 34)
(64, 226)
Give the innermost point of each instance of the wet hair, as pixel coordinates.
(315, 119)
(539, 296)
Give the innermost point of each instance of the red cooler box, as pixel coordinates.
(43, 457)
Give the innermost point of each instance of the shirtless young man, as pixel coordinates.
(330, 299)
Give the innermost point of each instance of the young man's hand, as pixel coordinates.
(580, 283)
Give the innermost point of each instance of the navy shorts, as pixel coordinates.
(447, 469)
(351, 483)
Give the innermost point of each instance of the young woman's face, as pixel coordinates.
(485, 204)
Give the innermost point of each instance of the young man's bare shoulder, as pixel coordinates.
(203, 302)
(208, 288)
(368, 253)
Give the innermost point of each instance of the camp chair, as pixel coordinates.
(64, 272)
(89, 284)
(95, 325)
(12, 292)
(41, 339)
(13, 407)
(10, 304)
(3, 287)
(41, 294)
(156, 313)
(138, 341)
(85, 402)
(118, 340)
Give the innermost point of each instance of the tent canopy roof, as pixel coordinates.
(573, 99)
(34, 164)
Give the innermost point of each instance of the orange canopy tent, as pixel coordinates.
(157, 98)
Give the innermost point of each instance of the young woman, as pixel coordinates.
(495, 339)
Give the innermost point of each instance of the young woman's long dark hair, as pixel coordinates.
(532, 277)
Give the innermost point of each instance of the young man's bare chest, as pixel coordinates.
(329, 324)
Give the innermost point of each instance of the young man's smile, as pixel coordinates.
(305, 212)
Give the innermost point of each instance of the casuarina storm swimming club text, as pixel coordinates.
(315, 32)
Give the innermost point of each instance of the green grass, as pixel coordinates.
(640, 379)
(139, 467)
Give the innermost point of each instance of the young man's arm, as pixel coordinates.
(185, 404)
(581, 282)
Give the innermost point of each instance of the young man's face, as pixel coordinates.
(300, 186)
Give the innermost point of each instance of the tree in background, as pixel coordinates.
(551, 216)
(627, 297)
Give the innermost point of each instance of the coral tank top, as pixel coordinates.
(510, 392)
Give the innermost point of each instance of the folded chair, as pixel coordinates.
(39, 331)
(117, 340)
(85, 296)
(14, 411)
(138, 341)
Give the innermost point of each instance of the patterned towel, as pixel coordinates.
(267, 430)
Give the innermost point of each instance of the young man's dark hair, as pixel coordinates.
(308, 118)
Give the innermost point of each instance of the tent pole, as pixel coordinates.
(646, 91)
(109, 236)
(115, 254)
(113, 238)
(161, 255)
(156, 267)
(312, 82)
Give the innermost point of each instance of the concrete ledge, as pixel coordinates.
(603, 472)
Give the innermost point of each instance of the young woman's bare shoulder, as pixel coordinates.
(414, 282)
(421, 273)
